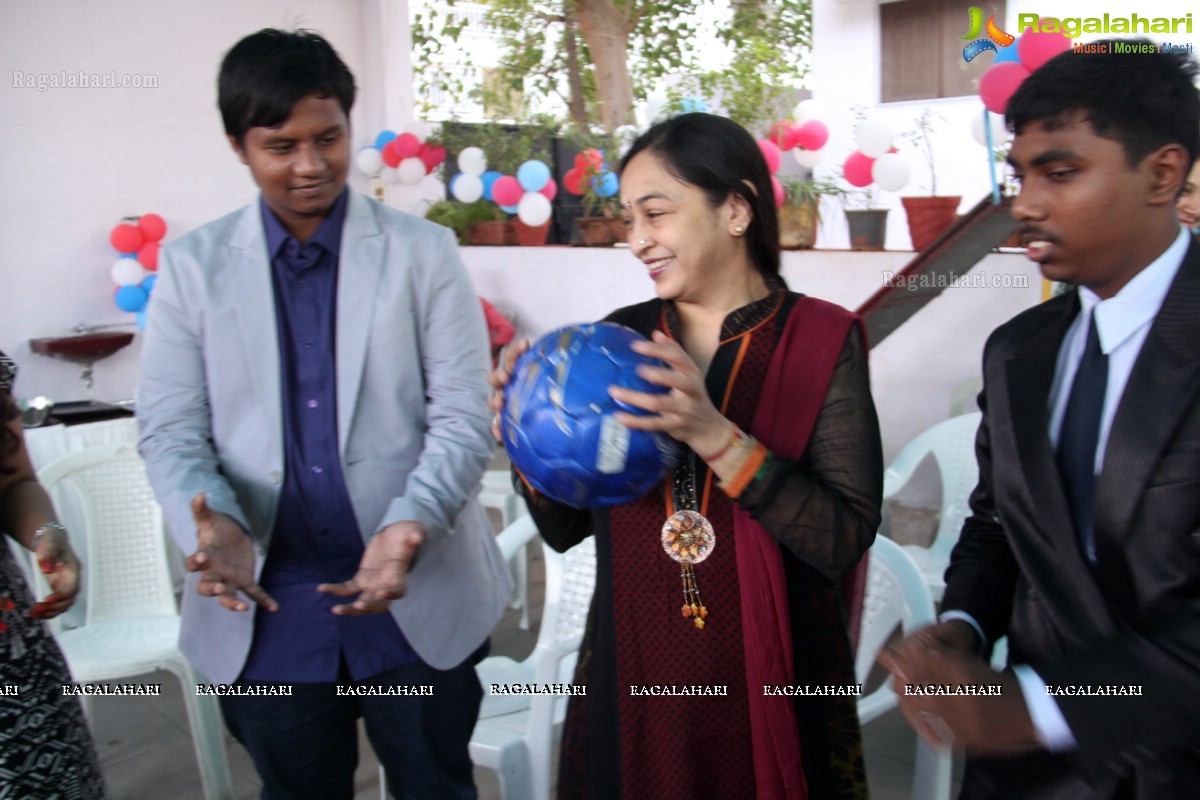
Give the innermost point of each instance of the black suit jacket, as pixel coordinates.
(1134, 619)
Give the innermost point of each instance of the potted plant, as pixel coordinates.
(800, 214)
(477, 223)
(867, 224)
(593, 179)
(930, 215)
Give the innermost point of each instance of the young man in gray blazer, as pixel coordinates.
(314, 422)
(1083, 546)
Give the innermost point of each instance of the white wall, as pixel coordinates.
(846, 47)
(77, 160)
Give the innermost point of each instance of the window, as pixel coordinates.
(921, 52)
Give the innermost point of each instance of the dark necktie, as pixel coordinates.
(1079, 435)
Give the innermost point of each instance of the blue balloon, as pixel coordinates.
(489, 178)
(605, 185)
(453, 180)
(383, 138)
(691, 104)
(1008, 53)
(131, 298)
(148, 283)
(509, 209)
(533, 175)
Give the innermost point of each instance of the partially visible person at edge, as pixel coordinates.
(45, 748)
(1188, 204)
(771, 397)
(313, 414)
(1083, 543)
(500, 329)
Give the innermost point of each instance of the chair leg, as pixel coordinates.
(515, 781)
(208, 738)
(931, 773)
(522, 579)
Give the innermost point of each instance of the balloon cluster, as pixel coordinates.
(136, 240)
(405, 153)
(805, 134)
(528, 194)
(876, 160)
(592, 170)
(774, 159)
(1015, 63)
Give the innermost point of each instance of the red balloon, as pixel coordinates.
(771, 154)
(575, 181)
(549, 190)
(126, 238)
(783, 134)
(431, 155)
(1035, 48)
(407, 145)
(152, 226)
(857, 169)
(780, 197)
(507, 191)
(148, 255)
(999, 83)
(390, 156)
(590, 160)
(812, 135)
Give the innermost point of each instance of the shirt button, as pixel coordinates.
(317, 470)
(313, 403)
(308, 345)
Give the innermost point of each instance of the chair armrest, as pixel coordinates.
(515, 536)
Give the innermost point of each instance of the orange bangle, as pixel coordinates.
(738, 483)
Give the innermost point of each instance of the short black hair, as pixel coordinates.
(1143, 100)
(264, 75)
(718, 156)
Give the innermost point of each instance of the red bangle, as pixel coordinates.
(737, 438)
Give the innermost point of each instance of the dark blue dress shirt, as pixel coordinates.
(316, 537)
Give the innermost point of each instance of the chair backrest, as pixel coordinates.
(951, 442)
(104, 492)
(896, 596)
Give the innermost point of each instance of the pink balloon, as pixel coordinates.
(783, 134)
(999, 83)
(550, 189)
(1036, 48)
(771, 153)
(779, 195)
(812, 135)
(507, 191)
(407, 145)
(857, 169)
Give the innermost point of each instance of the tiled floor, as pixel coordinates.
(146, 752)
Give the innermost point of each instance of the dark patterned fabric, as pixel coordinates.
(46, 752)
(616, 744)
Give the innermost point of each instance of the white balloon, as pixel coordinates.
(472, 161)
(808, 109)
(369, 161)
(890, 172)
(410, 170)
(421, 129)
(128, 272)
(534, 209)
(655, 106)
(873, 137)
(808, 158)
(1000, 134)
(468, 188)
(625, 135)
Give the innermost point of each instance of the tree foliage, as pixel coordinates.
(602, 56)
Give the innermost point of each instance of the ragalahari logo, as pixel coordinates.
(976, 26)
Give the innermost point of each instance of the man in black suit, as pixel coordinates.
(1083, 546)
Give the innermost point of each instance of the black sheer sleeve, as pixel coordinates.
(561, 526)
(825, 508)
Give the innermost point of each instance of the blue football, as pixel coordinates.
(558, 423)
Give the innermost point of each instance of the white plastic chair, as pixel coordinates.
(897, 596)
(952, 445)
(498, 493)
(131, 624)
(519, 745)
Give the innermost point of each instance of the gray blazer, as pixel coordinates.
(413, 423)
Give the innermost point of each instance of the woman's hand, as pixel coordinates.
(59, 564)
(685, 413)
(499, 377)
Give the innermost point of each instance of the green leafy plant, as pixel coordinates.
(458, 216)
(921, 136)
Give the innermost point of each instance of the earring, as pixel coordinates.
(738, 230)
(641, 241)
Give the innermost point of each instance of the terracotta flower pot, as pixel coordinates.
(928, 217)
(491, 233)
(600, 231)
(531, 235)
